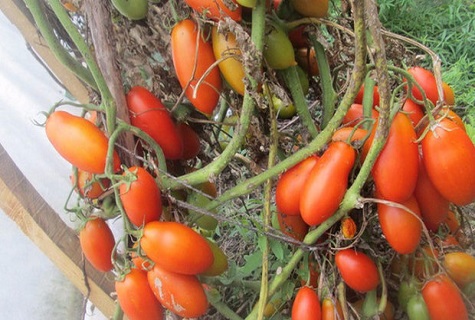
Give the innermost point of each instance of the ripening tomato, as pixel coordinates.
(443, 299)
(176, 247)
(136, 298)
(395, 221)
(192, 57)
(311, 8)
(88, 186)
(278, 50)
(216, 9)
(449, 155)
(306, 58)
(225, 47)
(413, 110)
(140, 196)
(350, 134)
(292, 226)
(182, 294)
(449, 95)
(452, 222)
(290, 184)
(306, 305)
(190, 141)
(360, 95)
(320, 199)
(460, 267)
(426, 80)
(387, 314)
(283, 110)
(66, 132)
(330, 311)
(355, 114)
(357, 269)
(97, 243)
(220, 261)
(134, 10)
(450, 114)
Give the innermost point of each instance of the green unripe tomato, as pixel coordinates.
(204, 222)
(417, 308)
(132, 9)
(407, 290)
(220, 262)
(247, 3)
(284, 111)
(278, 50)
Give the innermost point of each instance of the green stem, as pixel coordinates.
(368, 100)
(118, 313)
(223, 309)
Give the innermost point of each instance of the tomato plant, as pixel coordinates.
(136, 298)
(216, 9)
(460, 266)
(97, 243)
(426, 80)
(192, 57)
(357, 269)
(88, 186)
(306, 305)
(311, 8)
(190, 141)
(134, 10)
(278, 50)
(66, 132)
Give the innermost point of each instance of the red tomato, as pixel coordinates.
(140, 196)
(320, 199)
(182, 294)
(426, 80)
(136, 298)
(395, 170)
(330, 311)
(357, 269)
(292, 226)
(88, 186)
(66, 132)
(449, 95)
(360, 95)
(307, 60)
(355, 114)
(413, 110)
(443, 299)
(306, 305)
(396, 221)
(449, 155)
(216, 9)
(460, 266)
(190, 141)
(298, 37)
(192, 57)
(344, 133)
(176, 247)
(290, 184)
(148, 113)
(97, 243)
(450, 114)
(434, 207)
(311, 8)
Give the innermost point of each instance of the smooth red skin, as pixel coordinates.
(449, 157)
(190, 141)
(360, 95)
(326, 183)
(182, 294)
(185, 41)
(460, 266)
(141, 198)
(216, 9)
(306, 305)
(136, 298)
(87, 188)
(357, 269)
(344, 133)
(443, 299)
(413, 110)
(290, 184)
(395, 170)
(449, 95)
(97, 243)
(292, 226)
(298, 37)
(148, 113)
(79, 141)
(176, 247)
(434, 207)
(355, 114)
(401, 228)
(426, 79)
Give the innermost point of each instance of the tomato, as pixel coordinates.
(216, 9)
(140, 196)
(413, 110)
(348, 227)
(450, 114)
(66, 132)
(272, 307)
(452, 222)
(225, 47)
(138, 258)
(182, 294)
(387, 314)
(292, 226)
(192, 57)
(206, 223)
(426, 80)
(136, 298)
(320, 199)
(134, 10)
(310, 275)
(190, 141)
(88, 186)
(443, 299)
(176, 247)
(449, 95)
(357, 269)
(306, 305)
(298, 37)
(449, 155)
(148, 113)
(417, 309)
(396, 168)
(307, 60)
(97, 243)
(355, 114)
(407, 289)
(283, 110)
(247, 3)
(278, 50)
(345, 133)
(311, 8)
(290, 184)
(360, 95)
(395, 221)
(220, 261)
(330, 310)
(434, 207)
(460, 266)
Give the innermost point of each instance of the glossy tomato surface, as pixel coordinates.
(360, 95)
(426, 79)
(97, 243)
(306, 305)
(278, 50)
(413, 110)
(460, 266)
(357, 269)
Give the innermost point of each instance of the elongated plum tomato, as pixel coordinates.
(449, 155)
(460, 266)
(330, 311)
(292, 226)
(216, 9)
(182, 294)
(350, 134)
(311, 8)
(413, 110)
(355, 114)
(443, 299)
(360, 95)
(88, 186)
(416, 308)
(140, 196)
(97, 243)
(426, 80)
(148, 113)
(290, 184)
(192, 57)
(225, 47)
(396, 221)
(134, 10)
(357, 269)
(176, 247)
(220, 261)
(278, 50)
(190, 141)
(306, 305)
(449, 95)
(319, 198)
(136, 298)
(306, 58)
(66, 132)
